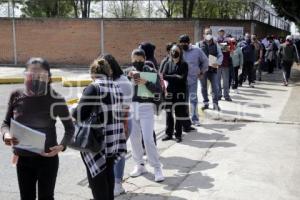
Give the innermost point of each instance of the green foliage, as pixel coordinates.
(47, 8)
(288, 9)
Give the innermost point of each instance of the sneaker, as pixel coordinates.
(118, 189)
(159, 177)
(196, 123)
(251, 85)
(228, 99)
(138, 171)
(166, 138)
(189, 129)
(205, 107)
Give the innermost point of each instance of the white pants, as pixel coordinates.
(143, 124)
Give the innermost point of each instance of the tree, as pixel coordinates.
(288, 9)
(82, 7)
(46, 8)
(123, 9)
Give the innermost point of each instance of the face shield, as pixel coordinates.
(36, 84)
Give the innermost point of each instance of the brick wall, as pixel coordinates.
(78, 41)
(6, 42)
(121, 37)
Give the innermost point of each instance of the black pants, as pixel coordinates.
(286, 70)
(246, 72)
(179, 111)
(40, 170)
(235, 77)
(103, 184)
(271, 65)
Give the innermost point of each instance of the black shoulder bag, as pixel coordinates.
(89, 135)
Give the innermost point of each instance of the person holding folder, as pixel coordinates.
(146, 85)
(36, 106)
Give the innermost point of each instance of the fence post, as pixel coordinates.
(197, 31)
(102, 36)
(14, 33)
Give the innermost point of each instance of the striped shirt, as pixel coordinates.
(110, 112)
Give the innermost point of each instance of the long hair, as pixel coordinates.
(115, 67)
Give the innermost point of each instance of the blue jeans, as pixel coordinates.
(120, 165)
(193, 98)
(213, 78)
(223, 73)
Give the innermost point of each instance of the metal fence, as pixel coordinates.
(259, 10)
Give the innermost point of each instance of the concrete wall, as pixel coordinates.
(78, 41)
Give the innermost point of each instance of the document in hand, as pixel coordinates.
(212, 60)
(29, 139)
(142, 89)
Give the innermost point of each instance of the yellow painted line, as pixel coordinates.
(72, 101)
(11, 80)
(15, 80)
(56, 78)
(75, 82)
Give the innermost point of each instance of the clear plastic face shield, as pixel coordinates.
(36, 83)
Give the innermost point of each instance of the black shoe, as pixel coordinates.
(217, 107)
(178, 139)
(228, 99)
(189, 129)
(167, 137)
(220, 98)
(205, 107)
(259, 79)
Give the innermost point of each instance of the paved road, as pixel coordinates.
(256, 157)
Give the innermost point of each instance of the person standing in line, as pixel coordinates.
(104, 94)
(271, 54)
(127, 91)
(175, 74)
(37, 106)
(223, 70)
(143, 118)
(248, 50)
(211, 48)
(258, 57)
(237, 63)
(198, 65)
(288, 55)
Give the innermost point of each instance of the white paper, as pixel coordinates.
(29, 139)
(212, 60)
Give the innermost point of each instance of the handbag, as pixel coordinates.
(89, 135)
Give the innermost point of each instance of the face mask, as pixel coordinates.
(185, 47)
(139, 65)
(175, 54)
(248, 40)
(36, 84)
